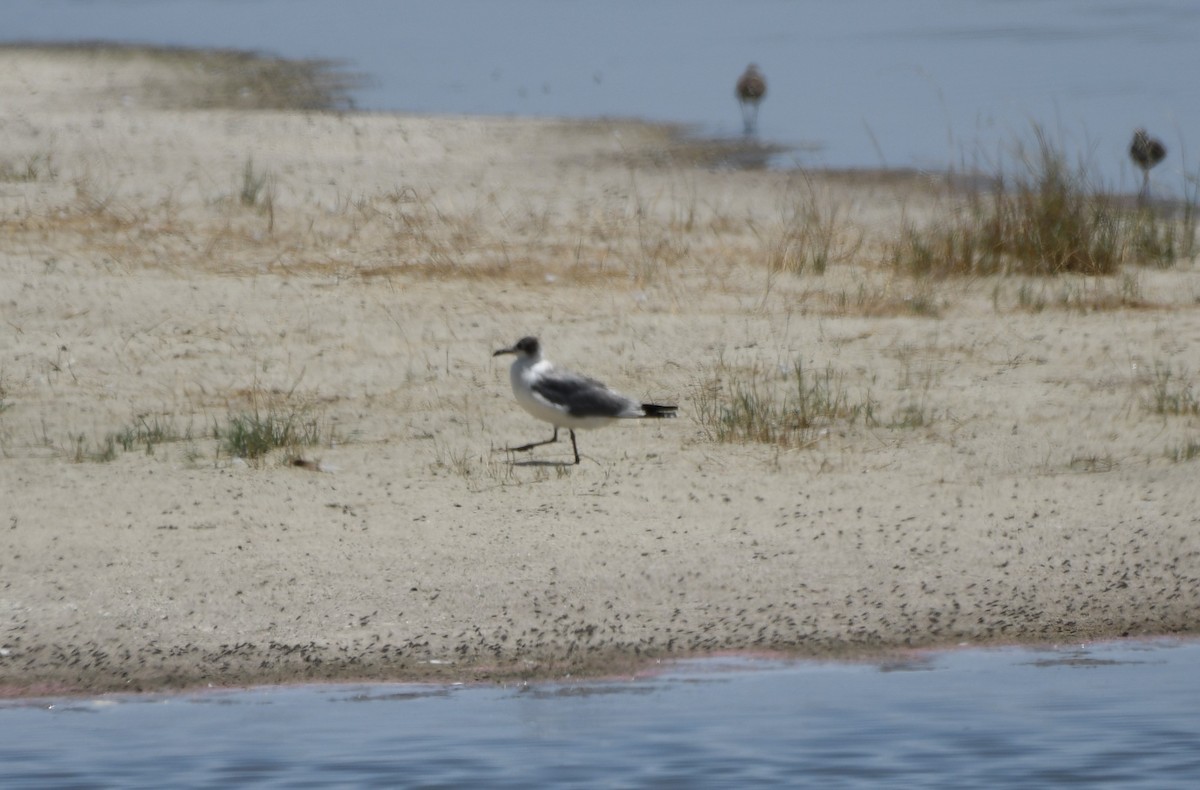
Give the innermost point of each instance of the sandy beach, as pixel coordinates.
(179, 254)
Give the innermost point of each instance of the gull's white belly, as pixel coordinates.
(545, 410)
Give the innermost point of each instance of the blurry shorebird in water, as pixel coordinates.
(1146, 152)
(751, 87)
(566, 399)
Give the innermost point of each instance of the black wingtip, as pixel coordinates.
(656, 410)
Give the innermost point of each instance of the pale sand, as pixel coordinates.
(1036, 502)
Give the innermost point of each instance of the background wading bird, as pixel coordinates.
(1146, 152)
(751, 87)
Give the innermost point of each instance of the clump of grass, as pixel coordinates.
(255, 433)
(913, 414)
(256, 187)
(813, 235)
(1171, 392)
(1075, 294)
(147, 430)
(923, 301)
(83, 451)
(37, 167)
(480, 471)
(1092, 463)
(258, 192)
(460, 462)
(1161, 242)
(916, 297)
(1085, 296)
(1182, 453)
(1049, 220)
(1028, 300)
(756, 407)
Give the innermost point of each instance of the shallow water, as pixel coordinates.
(1118, 714)
(869, 83)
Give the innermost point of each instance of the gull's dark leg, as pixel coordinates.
(573, 447)
(532, 445)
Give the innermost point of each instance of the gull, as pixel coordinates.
(751, 87)
(1146, 152)
(566, 399)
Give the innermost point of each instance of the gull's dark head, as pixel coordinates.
(525, 347)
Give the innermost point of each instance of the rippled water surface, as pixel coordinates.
(1111, 715)
(860, 83)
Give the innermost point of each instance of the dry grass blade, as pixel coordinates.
(813, 234)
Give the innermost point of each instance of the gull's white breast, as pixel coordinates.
(523, 373)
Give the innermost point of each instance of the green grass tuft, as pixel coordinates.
(254, 434)
(754, 407)
(1171, 392)
(36, 167)
(255, 185)
(147, 430)
(1182, 453)
(83, 451)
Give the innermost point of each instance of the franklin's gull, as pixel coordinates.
(566, 399)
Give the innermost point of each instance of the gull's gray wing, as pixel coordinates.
(582, 396)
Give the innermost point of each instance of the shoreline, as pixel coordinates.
(169, 271)
(746, 660)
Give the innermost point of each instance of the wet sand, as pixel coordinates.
(172, 263)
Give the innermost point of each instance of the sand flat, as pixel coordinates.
(998, 475)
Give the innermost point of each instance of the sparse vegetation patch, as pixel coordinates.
(36, 167)
(813, 233)
(789, 410)
(1048, 220)
(252, 434)
(1171, 392)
